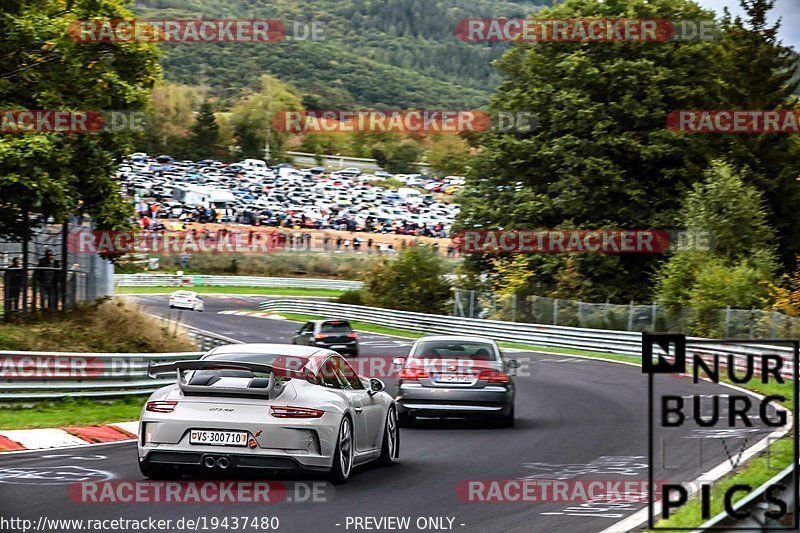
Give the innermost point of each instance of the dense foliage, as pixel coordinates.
(51, 174)
(602, 156)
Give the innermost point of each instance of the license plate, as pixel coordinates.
(338, 347)
(218, 438)
(453, 378)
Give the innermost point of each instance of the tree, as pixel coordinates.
(204, 138)
(601, 156)
(252, 117)
(397, 157)
(55, 174)
(449, 154)
(737, 271)
(170, 119)
(761, 74)
(414, 281)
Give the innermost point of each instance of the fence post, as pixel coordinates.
(472, 303)
(555, 312)
(727, 321)
(630, 316)
(580, 313)
(653, 316)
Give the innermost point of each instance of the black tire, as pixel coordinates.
(508, 421)
(390, 448)
(151, 471)
(172, 307)
(340, 472)
(405, 420)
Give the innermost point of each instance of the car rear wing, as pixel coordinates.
(268, 390)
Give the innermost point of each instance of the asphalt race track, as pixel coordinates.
(577, 419)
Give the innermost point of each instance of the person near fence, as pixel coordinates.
(47, 280)
(13, 280)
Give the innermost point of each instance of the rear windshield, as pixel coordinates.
(337, 326)
(479, 351)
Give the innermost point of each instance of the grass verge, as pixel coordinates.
(71, 412)
(210, 289)
(108, 327)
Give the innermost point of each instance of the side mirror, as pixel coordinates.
(375, 386)
(513, 365)
(399, 361)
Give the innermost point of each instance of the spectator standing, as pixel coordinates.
(13, 280)
(47, 280)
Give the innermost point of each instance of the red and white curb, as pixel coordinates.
(13, 440)
(257, 314)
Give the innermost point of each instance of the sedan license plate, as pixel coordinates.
(453, 378)
(218, 438)
(338, 346)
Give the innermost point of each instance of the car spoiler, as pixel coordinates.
(273, 385)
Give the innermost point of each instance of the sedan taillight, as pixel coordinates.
(287, 411)
(161, 406)
(493, 376)
(413, 374)
(352, 335)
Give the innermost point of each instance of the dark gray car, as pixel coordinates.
(336, 335)
(453, 376)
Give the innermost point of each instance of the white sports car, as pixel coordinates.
(186, 300)
(268, 407)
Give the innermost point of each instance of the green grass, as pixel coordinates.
(757, 472)
(70, 412)
(208, 289)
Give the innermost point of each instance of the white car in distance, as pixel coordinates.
(186, 300)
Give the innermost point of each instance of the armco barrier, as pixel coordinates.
(172, 280)
(592, 340)
(49, 375)
(29, 376)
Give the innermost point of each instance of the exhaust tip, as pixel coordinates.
(223, 462)
(209, 461)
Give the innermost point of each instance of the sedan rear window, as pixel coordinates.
(479, 351)
(338, 326)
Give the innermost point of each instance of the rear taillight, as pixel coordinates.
(493, 376)
(295, 412)
(161, 406)
(352, 335)
(413, 373)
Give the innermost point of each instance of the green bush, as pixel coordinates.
(351, 298)
(412, 282)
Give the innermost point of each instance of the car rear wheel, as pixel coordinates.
(343, 455)
(508, 421)
(391, 440)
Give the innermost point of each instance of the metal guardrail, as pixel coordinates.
(591, 340)
(30, 376)
(173, 280)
